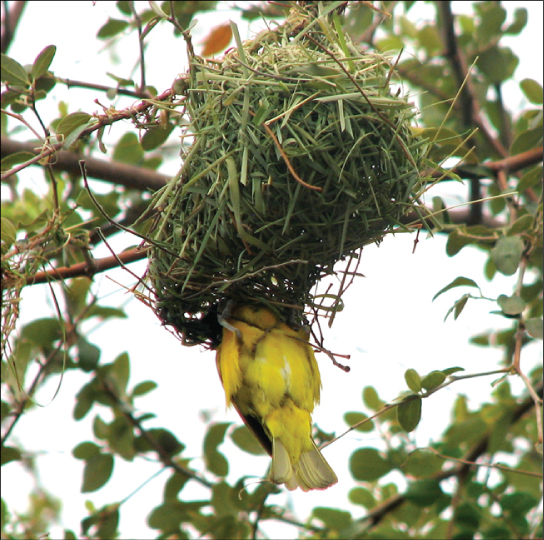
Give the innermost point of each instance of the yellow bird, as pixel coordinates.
(270, 375)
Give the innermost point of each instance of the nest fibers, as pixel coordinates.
(301, 155)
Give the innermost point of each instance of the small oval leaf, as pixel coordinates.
(507, 254)
(532, 91)
(534, 327)
(97, 472)
(511, 305)
(244, 440)
(71, 122)
(413, 380)
(353, 418)
(409, 413)
(367, 465)
(433, 379)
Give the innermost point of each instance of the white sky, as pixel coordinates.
(389, 324)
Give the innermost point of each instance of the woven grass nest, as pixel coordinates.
(300, 156)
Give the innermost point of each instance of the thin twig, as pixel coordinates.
(102, 120)
(164, 457)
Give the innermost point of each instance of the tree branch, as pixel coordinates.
(87, 269)
(102, 120)
(108, 171)
(11, 20)
(103, 88)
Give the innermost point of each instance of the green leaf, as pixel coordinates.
(409, 413)
(433, 379)
(43, 61)
(124, 7)
(526, 140)
(162, 439)
(97, 472)
(422, 463)
(450, 371)
(84, 400)
(511, 305)
(85, 450)
(71, 122)
(174, 485)
(13, 73)
(429, 39)
(497, 64)
(120, 373)
(8, 232)
(424, 492)
(112, 28)
(534, 327)
(332, 518)
(215, 436)
(352, 418)
(88, 355)
(497, 533)
(10, 453)
(507, 254)
(128, 149)
(413, 380)
(362, 497)
(367, 465)
(104, 312)
(215, 461)
(458, 307)
(530, 179)
(14, 159)
(101, 429)
(121, 438)
(43, 332)
(492, 17)
(244, 440)
(169, 515)
(518, 503)
(520, 20)
(532, 90)
(155, 137)
(371, 398)
(464, 236)
(457, 282)
(522, 224)
(467, 516)
(108, 522)
(76, 134)
(144, 388)
(223, 501)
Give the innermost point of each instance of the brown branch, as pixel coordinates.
(468, 102)
(12, 16)
(459, 216)
(108, 171)
(517, 162)
(87, 269)
(103, 88)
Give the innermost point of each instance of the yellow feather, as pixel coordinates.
(270, 374)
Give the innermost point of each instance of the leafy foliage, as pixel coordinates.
(480, 477)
